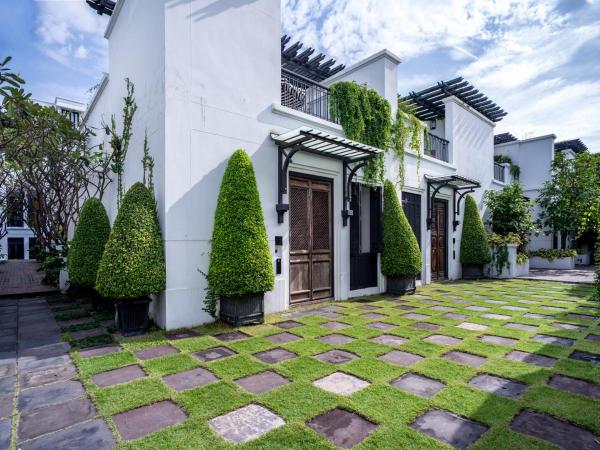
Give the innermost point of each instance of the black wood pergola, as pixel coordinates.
(574, 144)
(428, 104)
(102, 6)
(457, 183)
(503, 138)
(302, 62)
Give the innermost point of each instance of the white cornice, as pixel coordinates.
(97, 94)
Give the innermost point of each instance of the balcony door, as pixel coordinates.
(439, 242)
(311, 239)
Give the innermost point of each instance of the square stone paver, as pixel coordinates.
(373, 316)
(262, 382)
(5, 433)
(245, 424)
(182, 334)
(425, 326)
(336, 356)
(7, 385)
(99, 351)
(442, 339)
(405, 307)
(46, 376)
(513, 308)
(55, 417)
(495, 316)
(593, 337)
(496, 302)
(380, 326)
(335, 325)
(401, 358)
(569, 326)
(93, 434)
(139, 422)
(231, 336)
(581, 316)
(81, 334)
(275, 355)
(341, 383)
(538, 316)
(418, 384)
(368, 307)
(498, 340)
(498, 385)
(528, 302)
(38, 397)
(336, 339)
(212, 354)
(6, 405)
(449, 428)
(468, 359)
(553, 430)
(190, 379)
(477, 308)
(287, 324)
(415, 316)
(592, 358)
(282, 338)
(575, 386)
(389, 339)
(520, 326)
(472, 326)
(442, 308)
(455, 316)
(343, 428)
(156, 352)
(118, 376)
(531, 358)
(553, 308)
(554, 340)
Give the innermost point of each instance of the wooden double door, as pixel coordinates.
(311, 239)
(439, 240)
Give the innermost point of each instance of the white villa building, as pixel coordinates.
(211, 77)
(534, 157)
(18, 241)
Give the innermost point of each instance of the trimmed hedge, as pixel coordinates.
(87, 246)
(240, 260)
(552, 253)
(474, 248)
(401, 255)
(133, 263)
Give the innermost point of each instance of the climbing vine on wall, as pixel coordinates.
(148, 165)
(515, 170)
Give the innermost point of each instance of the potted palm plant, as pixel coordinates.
(401, 256)
(133, 263)
(241, 269)
(474, 247)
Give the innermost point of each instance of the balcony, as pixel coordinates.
(305, 95)
(499, 172)
(436, 147)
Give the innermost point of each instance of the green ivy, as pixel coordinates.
(401, 255)
(474, 247)
(240, 260)
(552, 253)
(522, 258)
(87, 246)
(133, 262)
(515, 170)
(499, 249)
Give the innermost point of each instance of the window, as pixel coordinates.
(14, 205)
(73, 116)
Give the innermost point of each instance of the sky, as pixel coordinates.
(539, 60)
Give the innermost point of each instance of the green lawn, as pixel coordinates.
(392, 409)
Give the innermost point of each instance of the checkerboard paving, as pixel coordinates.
(496, 364)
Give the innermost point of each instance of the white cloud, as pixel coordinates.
(70, 31)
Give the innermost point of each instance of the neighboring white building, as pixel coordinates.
(211, 77)
(19, 241)
(534, 157)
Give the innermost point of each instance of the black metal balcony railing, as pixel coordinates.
(303, 94)
(436, 147)
(498, 172)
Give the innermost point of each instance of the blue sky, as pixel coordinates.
(539, 60)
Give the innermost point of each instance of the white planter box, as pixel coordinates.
(506, 272)
(536, 262)
(522, 269)
(583, 260)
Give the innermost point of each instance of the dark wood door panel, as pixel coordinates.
(438, 241)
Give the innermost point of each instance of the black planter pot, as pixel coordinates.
(472, 271)
(78, 292)
(242, 309)
(401, 285)
(132, 315)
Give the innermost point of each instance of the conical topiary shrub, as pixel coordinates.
(133, 264)
(87, 246)
(474, 248)
(241, 269)
(401, 257)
